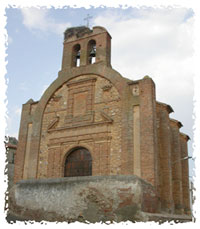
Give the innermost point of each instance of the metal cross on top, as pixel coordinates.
(87, 19)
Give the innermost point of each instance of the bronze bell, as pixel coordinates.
(93, 52)
(78, 55)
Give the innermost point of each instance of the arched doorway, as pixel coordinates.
(78, 163)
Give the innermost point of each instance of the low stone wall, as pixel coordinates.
(92, 198)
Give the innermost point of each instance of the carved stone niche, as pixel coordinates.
(80, 101)
(135, 90)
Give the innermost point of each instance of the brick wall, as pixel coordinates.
(103, 47)
(101, 132)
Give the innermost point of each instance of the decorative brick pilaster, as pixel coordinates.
(148, 131)
(164, 170)
(185, 174)
(176, 166)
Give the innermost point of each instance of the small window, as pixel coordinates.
(91, 52)
(76, 55)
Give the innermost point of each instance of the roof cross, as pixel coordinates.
(87, 19)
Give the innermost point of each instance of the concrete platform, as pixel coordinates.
(92, 198)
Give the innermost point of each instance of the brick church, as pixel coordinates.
(98, 146)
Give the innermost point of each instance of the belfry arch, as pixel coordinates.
(78, 163)
(91, 52)
(76, 55)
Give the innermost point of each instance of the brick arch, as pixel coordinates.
(76, 52)
(64, 76)
(68, 150)
(78, 162)
(91, 46)
(108, 73)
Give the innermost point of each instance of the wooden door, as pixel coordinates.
(78, 163)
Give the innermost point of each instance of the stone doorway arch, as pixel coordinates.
(78, 163)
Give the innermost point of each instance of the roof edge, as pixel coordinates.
(168, 107)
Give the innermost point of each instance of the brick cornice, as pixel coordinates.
(176, 122)
(166, 106)
(185, 136)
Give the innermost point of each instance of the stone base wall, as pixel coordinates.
(93, 199)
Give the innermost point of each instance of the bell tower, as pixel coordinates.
(84, 46)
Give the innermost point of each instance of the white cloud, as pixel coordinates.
(158, 34)
(23, 86)
(18, 111)
(158, 43)
(13, 134)
(10, 40)
(44, 89)
(38, 20)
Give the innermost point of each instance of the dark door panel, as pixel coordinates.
(78, 163)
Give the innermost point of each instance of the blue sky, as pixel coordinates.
(145, 41)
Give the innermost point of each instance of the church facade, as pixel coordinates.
(92, 122)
